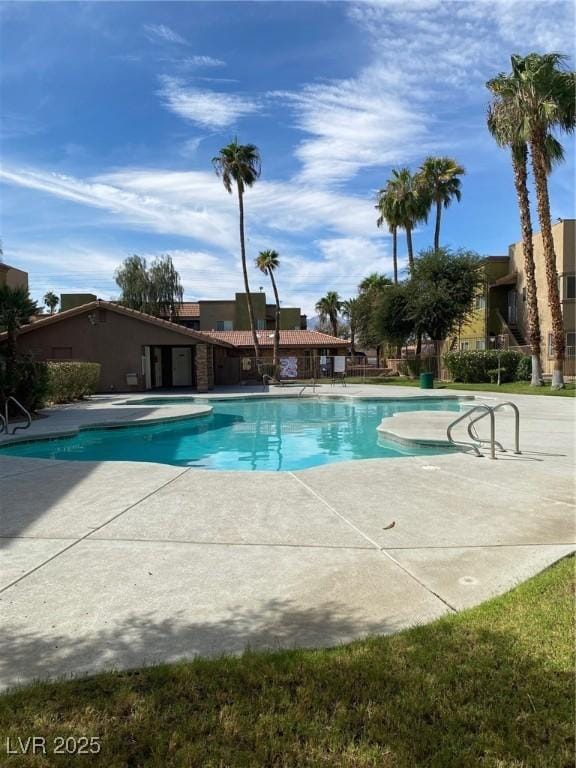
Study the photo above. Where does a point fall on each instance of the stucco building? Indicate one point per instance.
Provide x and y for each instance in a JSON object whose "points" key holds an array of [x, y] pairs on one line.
{"points": [[501, 311]]}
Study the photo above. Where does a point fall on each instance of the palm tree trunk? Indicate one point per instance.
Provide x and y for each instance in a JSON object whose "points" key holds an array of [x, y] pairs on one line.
{"points": [[276, 352], [410, 249], [395, 253], [334, 322], [245, 273], [437, 229], [519, 165], [539, 167]]}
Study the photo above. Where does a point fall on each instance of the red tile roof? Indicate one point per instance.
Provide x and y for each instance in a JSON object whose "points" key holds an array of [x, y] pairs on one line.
{"points": [[188, 309], [287, 338]]}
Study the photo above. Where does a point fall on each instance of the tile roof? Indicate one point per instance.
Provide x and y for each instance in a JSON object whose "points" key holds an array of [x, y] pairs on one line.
{"points": [[188, 309], [287, 338]]}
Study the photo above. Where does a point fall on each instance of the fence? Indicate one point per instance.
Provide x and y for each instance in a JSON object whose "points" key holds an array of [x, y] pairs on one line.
{"points": [[328, 367]]}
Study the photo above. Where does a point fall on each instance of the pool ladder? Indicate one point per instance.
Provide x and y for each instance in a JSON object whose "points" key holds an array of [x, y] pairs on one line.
{"points": [[484, 411], [5, 420]]}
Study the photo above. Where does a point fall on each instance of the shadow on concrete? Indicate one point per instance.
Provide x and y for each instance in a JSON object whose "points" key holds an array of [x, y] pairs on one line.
{"points": [[450, 694], [30, 487], [143, 640]]}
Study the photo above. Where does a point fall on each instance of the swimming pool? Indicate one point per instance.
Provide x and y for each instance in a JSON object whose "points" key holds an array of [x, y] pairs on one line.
{"points": [[271, 434]]}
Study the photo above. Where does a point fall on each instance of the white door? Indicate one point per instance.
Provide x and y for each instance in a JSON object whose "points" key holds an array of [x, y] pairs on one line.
{"points": [[181, 367]]}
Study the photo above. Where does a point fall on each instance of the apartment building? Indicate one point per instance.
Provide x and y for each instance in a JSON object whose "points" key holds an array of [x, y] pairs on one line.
{"points": [[500, 316]]}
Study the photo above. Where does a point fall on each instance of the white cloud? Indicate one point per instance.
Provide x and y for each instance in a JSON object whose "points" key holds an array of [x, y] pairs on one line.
{"points": [[201, 61], [428, 59], [162, 33], [354, 124], [206, 108]]}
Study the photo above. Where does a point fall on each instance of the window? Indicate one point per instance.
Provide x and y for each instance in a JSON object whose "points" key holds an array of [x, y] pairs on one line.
{"points": [[224, 325], [550, 346], [464, 345], [524, 293], [480, 302], [480, 344], [570, 283], [261, 324]]}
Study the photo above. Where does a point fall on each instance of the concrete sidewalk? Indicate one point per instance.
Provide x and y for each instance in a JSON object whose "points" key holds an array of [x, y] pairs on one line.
{"points": [[117, 564]]}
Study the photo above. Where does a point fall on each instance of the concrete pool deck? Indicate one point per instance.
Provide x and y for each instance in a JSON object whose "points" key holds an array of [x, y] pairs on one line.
{"points": [[117, 564]]}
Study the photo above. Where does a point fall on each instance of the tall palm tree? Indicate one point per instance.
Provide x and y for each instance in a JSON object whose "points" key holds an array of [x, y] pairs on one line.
{"points": [[439, 177], [328, 308], [267, 262], [506, 127], [350, 310], [389, 214], [240, 164], [542, 94], [410, 202]]}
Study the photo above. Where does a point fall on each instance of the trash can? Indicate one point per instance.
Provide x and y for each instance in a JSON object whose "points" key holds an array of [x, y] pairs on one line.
{"points": [[426, 381]]}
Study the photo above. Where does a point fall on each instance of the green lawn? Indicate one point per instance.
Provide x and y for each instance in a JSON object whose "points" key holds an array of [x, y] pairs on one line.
{"points": [[512, 388], [492, 686]]}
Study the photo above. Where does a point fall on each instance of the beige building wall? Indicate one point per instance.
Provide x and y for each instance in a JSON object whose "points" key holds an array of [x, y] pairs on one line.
{"points": [[213, 311], [12, 277], [101, 336], [564, 233]]}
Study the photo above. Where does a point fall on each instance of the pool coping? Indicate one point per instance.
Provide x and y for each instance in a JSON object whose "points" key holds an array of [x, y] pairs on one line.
{"points": [[127, 424], [203, 409]]}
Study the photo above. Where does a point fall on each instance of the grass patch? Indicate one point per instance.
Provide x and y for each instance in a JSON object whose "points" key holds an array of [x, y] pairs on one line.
{"points": [[512, 388], [492, 686]]}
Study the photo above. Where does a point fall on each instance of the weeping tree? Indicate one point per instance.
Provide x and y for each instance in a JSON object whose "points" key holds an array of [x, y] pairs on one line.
{"points": [[155, 290]]}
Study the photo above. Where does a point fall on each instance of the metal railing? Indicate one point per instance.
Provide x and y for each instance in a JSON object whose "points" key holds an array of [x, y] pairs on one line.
{"points": [[486, 410], [5, 419]]}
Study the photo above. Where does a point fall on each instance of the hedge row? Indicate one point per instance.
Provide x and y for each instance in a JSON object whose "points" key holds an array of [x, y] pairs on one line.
{"points": [[481, 366], [72, 381]]}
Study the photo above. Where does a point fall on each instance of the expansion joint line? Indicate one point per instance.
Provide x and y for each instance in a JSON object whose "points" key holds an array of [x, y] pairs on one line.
{"points": [[94, 530], [376, 545]]}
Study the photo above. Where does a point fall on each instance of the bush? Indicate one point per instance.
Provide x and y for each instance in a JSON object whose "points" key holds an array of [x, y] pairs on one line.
{"points": [[524, 368], [477, 367], [72, 381], [29, 384]]}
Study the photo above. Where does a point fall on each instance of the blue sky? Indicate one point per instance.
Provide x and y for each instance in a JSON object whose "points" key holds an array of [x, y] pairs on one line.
{"points": [[112, 111]]}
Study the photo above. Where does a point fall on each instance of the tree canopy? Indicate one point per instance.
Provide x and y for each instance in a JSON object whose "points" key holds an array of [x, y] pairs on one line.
{"points": [[156, 290]]}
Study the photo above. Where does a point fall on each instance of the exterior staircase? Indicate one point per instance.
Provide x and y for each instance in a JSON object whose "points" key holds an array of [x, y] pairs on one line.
{"points": [[517, 335]]}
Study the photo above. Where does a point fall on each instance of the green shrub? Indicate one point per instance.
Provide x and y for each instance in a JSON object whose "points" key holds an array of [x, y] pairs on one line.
{"points": [[72, 381], [476, 367], [28, 384], [524, 368]]}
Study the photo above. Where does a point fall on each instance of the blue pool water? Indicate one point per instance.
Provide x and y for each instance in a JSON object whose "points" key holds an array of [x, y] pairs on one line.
{"points": [[252, 434]]}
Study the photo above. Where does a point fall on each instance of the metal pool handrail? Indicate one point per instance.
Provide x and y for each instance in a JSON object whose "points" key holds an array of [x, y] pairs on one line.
{"points": [[487, 410], [6, 419], [495, 408]]}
